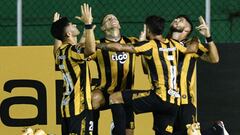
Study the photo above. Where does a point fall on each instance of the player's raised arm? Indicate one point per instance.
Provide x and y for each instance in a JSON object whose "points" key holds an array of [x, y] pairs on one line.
{"points": [[212, 54], [90, 45], [57, 43]]}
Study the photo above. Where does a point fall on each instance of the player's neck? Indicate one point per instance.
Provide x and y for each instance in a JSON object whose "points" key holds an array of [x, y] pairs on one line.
{"points": [[113, 35], [71, 40], [158, 37], [178, 36]]}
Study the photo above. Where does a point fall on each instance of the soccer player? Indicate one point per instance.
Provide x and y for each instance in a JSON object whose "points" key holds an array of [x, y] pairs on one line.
{"points": [[162, 100], [180, 29], [115, 71], [72, 61]]}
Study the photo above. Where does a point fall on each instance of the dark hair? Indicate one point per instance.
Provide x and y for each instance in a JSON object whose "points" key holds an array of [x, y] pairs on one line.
{"points": [[188, 20], [155, 24], [58, 28]]}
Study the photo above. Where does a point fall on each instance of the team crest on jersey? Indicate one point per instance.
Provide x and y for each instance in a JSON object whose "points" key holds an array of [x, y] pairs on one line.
{"points": [[120, 57]]}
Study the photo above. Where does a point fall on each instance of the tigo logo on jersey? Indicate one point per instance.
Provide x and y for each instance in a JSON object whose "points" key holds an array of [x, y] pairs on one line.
{"points": [[120, 57]]}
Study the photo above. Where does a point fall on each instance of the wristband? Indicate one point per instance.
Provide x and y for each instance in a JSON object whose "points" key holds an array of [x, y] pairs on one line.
{"points": [[88, 26], [209, 39]]}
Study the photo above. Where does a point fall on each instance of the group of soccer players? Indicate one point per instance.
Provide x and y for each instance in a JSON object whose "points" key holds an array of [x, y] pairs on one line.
{"points": [[170, 63]]}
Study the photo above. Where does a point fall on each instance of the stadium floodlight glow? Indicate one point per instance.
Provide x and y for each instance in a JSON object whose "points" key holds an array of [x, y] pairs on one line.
{"points": [[19, 22]]}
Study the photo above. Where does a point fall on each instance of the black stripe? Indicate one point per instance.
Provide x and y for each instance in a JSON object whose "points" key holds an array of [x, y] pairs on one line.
{"points": [[76, 60], [140, 43], [130, 76], [83, 82], [200, 52], [164, 67], [69, 66], [189, 76], [126, 40], [107, 68], [61, 62], [120, 68], [74, 80], [99, 73], [170, 53]]}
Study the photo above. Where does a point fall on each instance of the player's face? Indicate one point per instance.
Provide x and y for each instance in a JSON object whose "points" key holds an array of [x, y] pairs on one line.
{"points": [[181, 25], [72, 29], [110, 21]]}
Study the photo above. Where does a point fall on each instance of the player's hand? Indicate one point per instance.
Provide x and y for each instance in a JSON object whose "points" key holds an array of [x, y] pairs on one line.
{"points": [[203, 28], [193, 129], [83, 38], [143, 34], [86, 11], [56, 17]]}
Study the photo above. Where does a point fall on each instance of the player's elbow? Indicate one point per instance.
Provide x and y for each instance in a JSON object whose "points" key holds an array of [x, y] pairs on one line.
{"points": [[216, 60]]}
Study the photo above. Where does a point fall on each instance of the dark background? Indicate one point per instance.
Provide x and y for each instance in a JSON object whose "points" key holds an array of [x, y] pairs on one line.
{"points": [[218, 89]]}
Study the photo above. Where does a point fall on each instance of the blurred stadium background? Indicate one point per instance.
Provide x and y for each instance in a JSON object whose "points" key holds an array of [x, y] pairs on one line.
{"points": [[37, 16], [218, 85]]}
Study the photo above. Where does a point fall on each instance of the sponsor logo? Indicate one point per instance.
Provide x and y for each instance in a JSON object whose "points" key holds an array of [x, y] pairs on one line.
{"points": [[120, 57]]}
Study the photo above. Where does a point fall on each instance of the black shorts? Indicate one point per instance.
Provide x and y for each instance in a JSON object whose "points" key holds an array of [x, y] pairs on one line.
{"points": [[184, 117], [128, 109], [81, 124], [164, 113]]}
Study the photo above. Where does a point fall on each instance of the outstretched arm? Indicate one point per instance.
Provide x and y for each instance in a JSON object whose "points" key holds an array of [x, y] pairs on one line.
{"points": [[90, 45], [57, 43], [212, 55], [117, 47]]}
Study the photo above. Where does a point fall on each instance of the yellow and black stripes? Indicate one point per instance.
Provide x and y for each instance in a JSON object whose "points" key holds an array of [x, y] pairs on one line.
{"points": [[161, 59], [73, 65], [115, 69], [187, 71]]}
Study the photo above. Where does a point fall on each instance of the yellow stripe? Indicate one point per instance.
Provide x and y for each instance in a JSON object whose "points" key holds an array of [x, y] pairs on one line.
{"points": [[193, 87], [161, 80], [102, 68], [67, 111], [144, 47], [77, 95], [183, 79], [114, 72], [88, 89]]}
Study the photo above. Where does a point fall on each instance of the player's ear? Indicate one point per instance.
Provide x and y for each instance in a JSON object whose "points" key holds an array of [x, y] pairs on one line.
{"points": [[68, 34], [102, 28]]}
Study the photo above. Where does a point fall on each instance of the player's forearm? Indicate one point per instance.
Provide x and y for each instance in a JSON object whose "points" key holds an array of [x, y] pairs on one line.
{"points": [[116, 47], [90, 45], [213, 52]]}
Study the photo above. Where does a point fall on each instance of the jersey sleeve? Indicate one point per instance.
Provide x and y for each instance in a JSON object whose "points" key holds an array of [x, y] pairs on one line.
{"points": [[133, 40], [143, 46], [201, 50], [179, 47]]}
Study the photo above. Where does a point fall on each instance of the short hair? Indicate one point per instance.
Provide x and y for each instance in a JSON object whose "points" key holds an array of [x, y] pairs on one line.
{"points": [[155, 24], [188, 20], [58, 28]]}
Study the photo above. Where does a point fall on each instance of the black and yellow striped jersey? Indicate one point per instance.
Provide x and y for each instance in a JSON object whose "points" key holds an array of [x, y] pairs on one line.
{"points": [[161, 59], [77, 95], [115, 69], [187, 71]]}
